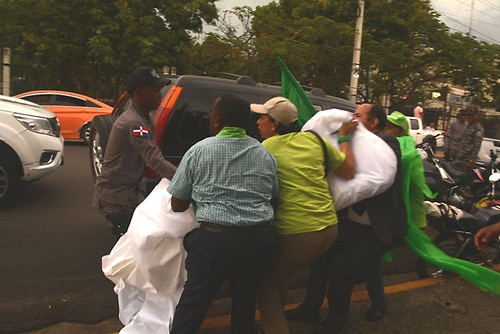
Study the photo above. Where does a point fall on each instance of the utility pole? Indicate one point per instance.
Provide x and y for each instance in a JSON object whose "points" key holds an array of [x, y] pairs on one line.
{"points": [[470, 20], [353, 88], [6, 72]]}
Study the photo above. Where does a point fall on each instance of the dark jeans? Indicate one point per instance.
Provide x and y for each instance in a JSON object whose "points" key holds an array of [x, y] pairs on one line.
{"points": [[340, 268], [242, 258], [120, 221], [375, 283]]}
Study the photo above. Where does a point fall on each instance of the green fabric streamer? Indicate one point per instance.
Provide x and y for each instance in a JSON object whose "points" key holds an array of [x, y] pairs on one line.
{"points": [[414, 186], [414, 189], [482, 277], [292, 90]]}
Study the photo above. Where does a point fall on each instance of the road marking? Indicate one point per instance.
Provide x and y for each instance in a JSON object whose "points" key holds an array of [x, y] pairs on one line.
{"points": [[225, 320]]}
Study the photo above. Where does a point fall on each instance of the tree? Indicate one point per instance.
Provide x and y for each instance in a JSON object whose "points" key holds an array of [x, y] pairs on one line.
{"points": [[231, 48], [316, 48], [74, 44], [406, 49]]}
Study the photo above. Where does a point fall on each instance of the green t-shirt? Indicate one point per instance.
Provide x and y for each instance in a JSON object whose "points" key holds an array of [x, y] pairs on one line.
{"points": [[305, 203]]}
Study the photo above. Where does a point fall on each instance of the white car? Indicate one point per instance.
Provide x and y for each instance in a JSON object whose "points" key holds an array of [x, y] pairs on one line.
{"points": [[418, 132], [31, 145], [487, 145]]}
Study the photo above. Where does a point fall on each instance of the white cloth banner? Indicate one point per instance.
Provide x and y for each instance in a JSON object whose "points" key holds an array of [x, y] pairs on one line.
{"points": [[376, 163], [147, 263]]}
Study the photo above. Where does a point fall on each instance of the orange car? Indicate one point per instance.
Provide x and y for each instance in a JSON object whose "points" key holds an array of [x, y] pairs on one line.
{"points": [[75, 111]]}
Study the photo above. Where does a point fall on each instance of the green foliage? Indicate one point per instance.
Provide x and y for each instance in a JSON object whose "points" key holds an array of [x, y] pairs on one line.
{"points": [[91, 46]]}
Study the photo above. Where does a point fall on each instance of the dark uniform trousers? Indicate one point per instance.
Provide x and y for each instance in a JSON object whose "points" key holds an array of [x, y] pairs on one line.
{"points": [[213, 255], [341, 268]]}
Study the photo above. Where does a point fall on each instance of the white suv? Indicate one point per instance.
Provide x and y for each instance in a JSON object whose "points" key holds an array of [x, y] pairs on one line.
{"points": [[31, 145]]}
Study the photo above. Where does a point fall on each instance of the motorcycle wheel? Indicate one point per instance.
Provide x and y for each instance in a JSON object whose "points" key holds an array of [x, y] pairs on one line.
{"points": [[449, 246]]}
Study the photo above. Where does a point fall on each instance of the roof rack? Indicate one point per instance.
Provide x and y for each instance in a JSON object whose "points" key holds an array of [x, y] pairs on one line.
{"points": [[313, 90], [241, 79]]}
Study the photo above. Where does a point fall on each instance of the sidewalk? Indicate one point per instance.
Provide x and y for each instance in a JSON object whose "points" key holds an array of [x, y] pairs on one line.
{"points": [[434, 305]]}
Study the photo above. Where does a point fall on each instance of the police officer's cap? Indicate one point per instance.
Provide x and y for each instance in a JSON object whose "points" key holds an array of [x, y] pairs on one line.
{"points": [[144, 76], [470, 111]]}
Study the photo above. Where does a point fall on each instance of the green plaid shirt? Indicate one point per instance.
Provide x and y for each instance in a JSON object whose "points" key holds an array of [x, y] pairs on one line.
{"points": [[231, 179]]}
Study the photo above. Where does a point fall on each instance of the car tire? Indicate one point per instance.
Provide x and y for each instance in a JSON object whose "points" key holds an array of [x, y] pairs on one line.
{"points": [[9, 182], [100, 129], [85, 134]]}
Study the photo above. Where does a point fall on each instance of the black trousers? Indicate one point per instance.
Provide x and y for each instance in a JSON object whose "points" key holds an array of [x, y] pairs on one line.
{"points": [[213, 257], [341, 268]]}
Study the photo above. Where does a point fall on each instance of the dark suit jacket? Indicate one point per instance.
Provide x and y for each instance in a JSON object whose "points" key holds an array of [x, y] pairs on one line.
{"points": [[387, 211]]}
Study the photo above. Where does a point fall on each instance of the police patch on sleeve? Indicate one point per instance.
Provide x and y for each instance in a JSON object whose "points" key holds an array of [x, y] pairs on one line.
{"points": [[140, 131]]}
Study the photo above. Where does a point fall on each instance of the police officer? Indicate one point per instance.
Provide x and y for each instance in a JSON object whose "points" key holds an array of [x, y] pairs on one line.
{"points": [[120, 188], [470, 141]]}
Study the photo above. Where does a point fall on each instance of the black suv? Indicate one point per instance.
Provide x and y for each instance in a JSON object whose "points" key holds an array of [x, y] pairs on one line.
{"points": [[182, 117]]}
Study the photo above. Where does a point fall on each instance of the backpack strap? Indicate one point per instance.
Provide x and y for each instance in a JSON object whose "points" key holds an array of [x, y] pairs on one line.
{"points": [[323, 146]]}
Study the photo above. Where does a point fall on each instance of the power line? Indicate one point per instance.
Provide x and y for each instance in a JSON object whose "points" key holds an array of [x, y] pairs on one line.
{"points": [[468, 28], [477, 32], [474, 9], [489, 4]]}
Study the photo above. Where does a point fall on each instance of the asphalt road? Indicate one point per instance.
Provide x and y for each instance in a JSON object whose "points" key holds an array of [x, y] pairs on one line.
{"points": [[51, 244]]}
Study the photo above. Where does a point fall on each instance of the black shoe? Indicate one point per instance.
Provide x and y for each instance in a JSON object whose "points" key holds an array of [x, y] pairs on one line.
{"points": [[375, 312], [302, 313]]}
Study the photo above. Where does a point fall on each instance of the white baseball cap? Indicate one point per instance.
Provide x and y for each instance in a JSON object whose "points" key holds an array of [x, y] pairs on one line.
{"points": [[279, 108]]}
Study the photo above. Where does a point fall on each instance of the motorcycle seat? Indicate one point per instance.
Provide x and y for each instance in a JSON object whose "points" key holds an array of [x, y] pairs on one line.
{"points": [[458, 175], [488, 215]]}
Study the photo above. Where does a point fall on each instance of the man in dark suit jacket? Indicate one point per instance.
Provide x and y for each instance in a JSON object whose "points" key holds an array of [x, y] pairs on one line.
{"points": [[366, 231]]}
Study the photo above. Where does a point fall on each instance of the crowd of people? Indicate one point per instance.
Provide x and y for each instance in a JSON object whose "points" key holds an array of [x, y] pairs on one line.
{"points": [[265, 210]]}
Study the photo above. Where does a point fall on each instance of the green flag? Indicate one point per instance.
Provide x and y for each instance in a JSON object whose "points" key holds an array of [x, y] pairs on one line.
{"points": [[292, 90]]}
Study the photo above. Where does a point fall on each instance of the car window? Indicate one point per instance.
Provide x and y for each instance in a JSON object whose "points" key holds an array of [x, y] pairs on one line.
{"points": [[124, 103], [90, 104], [64, 100], [188, 123], [123, 106], [193, 126], [42, 99], [414, 124]]}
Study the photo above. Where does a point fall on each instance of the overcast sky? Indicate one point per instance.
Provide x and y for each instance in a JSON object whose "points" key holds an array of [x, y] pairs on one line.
{"points": [[456, 14]]}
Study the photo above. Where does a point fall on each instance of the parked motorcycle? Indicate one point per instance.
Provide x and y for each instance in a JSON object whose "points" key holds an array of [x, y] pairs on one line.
{"points": [[456, 187], [456, 229], [492, 198]]}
